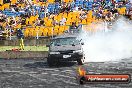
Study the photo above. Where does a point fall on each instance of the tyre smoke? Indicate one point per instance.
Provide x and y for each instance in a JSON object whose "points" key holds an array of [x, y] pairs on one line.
{"points": [[131, 1], [108, 44]]}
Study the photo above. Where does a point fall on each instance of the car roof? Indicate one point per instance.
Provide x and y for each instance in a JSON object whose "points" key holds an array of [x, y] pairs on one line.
{"points": [[66, 36]]}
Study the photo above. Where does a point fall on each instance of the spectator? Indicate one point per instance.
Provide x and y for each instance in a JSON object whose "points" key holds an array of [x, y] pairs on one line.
{"points": [[63, 21], [83, 15]]}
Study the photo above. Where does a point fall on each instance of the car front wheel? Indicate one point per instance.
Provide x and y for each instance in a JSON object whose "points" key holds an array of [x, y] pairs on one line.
{"points": [[52, 61], [81, 61]]}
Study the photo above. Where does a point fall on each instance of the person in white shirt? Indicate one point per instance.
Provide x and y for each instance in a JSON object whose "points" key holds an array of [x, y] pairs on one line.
{"points": [[63, 21]]}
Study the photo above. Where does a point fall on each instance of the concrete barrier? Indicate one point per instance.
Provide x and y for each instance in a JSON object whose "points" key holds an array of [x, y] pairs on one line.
{"points": [[27, 42], [23, 54]]}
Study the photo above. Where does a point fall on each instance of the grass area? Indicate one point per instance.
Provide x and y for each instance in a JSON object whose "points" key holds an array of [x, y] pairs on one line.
{"points": [[26, 48]]}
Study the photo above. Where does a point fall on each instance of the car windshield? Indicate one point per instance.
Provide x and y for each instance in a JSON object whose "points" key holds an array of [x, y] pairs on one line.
{"points": [[65, 41]]}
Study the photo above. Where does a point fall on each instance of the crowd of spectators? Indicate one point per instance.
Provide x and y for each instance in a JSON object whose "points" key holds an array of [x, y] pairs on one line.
{"points": [[32, 15]]}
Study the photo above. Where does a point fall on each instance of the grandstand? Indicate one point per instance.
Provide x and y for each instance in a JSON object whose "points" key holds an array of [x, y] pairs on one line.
{"points": [[48, 18]]}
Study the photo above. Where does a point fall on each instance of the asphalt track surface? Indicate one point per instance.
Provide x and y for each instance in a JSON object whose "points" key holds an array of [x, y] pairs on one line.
{"points": [[33, 73]]}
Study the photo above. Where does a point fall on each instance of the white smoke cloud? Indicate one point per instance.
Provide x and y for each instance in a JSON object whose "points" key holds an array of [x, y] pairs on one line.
{"points": [[131, 1], [108, 46]]}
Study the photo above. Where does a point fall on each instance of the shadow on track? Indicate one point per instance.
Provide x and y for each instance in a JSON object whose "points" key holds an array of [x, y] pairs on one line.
{"points": [[36, 65], [64, 64], [45, 65]]}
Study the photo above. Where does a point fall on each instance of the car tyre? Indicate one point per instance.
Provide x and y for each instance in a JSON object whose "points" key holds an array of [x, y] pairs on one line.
{"points": [[52, 61], [81, 61]]}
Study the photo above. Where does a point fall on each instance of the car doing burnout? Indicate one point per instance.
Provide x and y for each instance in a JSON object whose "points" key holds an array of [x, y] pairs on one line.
{"points": [[67, 48]]}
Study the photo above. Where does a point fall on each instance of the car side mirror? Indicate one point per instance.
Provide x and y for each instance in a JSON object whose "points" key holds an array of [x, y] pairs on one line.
{"points": [[73, 44], [47, 45], [82, 43], [58, 45]]}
